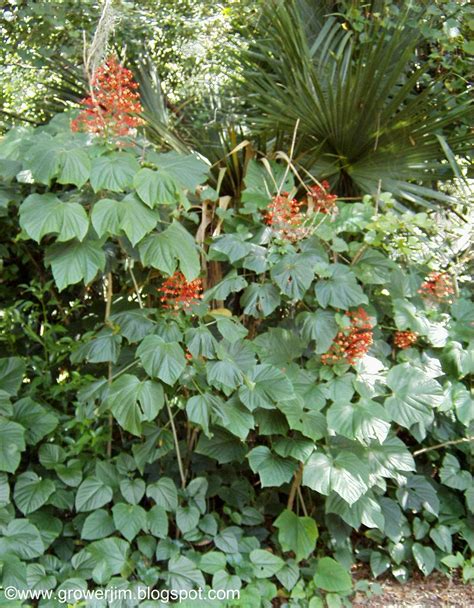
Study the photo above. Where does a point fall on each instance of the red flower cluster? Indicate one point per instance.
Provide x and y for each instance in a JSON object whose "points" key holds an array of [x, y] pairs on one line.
{"points": [[112, 107], [178, 294], [286, 219], [437, 286], [322, 200], [352, 343], [404, 339]]}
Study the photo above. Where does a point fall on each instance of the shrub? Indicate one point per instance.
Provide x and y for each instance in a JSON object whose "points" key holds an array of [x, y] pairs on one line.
{"points": [[263, 435]]}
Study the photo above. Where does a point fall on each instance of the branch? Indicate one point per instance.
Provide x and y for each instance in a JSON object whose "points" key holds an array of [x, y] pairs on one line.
{"points": [[443, 445], [176, 445]]}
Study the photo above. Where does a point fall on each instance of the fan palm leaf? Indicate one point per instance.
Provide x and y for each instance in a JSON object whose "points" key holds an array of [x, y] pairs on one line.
{"points": [[365, 121]]}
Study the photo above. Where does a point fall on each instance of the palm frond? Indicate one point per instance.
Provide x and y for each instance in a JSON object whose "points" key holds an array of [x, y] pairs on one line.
{"points": [[364, 119]]}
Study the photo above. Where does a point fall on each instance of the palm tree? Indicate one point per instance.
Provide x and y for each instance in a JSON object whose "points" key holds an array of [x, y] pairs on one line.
{"points": [[365, 121]]}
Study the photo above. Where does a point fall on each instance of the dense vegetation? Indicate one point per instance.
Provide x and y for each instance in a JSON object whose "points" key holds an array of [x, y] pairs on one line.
{"points": [[238, 351]]}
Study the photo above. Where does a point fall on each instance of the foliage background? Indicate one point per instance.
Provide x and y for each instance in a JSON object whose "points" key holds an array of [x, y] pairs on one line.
{"points": [[286, 464]]}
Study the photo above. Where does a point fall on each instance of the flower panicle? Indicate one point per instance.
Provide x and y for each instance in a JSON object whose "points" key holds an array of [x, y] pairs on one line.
{"points": [[437, 286], [113, 107], [404, 339], [352, 343], [179, 294], [322, 200]]}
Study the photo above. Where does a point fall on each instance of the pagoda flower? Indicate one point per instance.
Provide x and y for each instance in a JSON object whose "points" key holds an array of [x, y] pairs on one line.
{"points": [[112, 107], [353, 342], [179, 294], [437, 286], [405, 339]]}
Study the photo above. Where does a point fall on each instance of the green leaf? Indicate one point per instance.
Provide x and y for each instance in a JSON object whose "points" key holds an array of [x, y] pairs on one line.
{"points": [[363, 420], [129, 519], [199, 408], [22, 539], [297, 534], [92, 494], [4, 490], [452, 475], [157, 521], [166, 249], [107, 216], [212, 562], [98, 524], [114, 172], [424, 557], [227, 540], [12, 443], [266, 386], [74, 261], [233, 416], [231, 283], [320, 326], [42, 214], [164, 493], [188, 170], [37, 421], [183, 574], [271, 468], [225, 582], [294, 274], [265, 564], [310, 423], [340, 290], [132, 402], [441, 536], [223, 447], [414, 396], [224, 375], [156, 188], [75, 167], [32, 492], [111, 553], [71, 474], [373, 268], [12, 370], [345, 474], [104, 347], [260, 300], [232, 247], [331, 576], [132, 490], [296, 447], [365, 511], [136, 219], [134, 324], [417, 494], [289, 575], [187, 518], [200, 342], [379, 563], [163, 360]]}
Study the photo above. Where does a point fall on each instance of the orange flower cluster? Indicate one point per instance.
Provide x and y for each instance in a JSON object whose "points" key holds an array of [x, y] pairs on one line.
{"points": [[178, 294], [404, 339], [437, 286], [322, 200], [352, 343], [112, 108], [286, 219]]}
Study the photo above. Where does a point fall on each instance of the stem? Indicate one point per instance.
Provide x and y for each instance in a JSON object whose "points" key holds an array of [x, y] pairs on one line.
{"points": [[294, 487], [108, 309], [303, 505], [442, 445], [135, 285], [176, 444]]}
